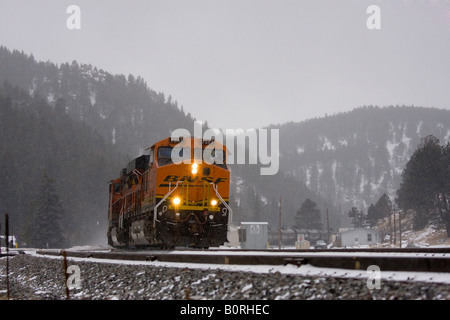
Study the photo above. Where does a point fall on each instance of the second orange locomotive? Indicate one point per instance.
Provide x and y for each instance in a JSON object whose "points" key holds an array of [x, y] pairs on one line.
{"points": [[156, 202]]}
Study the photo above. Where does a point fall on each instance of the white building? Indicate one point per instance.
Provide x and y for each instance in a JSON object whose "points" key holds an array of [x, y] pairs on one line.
{"points": [[359, 237]]}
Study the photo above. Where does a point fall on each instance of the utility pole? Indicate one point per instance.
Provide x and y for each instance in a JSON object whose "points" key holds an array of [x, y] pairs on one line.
{"points": [[390, 226], [7, 253], [400, 226], [328, 228], [279, 225], [66, 276], [395, 234]]}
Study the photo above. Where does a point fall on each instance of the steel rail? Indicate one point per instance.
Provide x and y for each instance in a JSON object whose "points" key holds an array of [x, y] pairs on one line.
{"points": [[431, 262]]}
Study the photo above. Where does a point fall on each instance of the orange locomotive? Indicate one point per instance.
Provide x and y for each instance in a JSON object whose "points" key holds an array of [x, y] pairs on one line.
{"points": [[157, 202]]}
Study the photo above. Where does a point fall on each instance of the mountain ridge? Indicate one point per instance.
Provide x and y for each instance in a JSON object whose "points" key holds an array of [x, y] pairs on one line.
{"points": [[121, 108], [360, 153]]}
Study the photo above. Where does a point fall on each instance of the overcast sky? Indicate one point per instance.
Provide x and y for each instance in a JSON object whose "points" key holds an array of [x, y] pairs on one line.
{"points": [[250, 63]]}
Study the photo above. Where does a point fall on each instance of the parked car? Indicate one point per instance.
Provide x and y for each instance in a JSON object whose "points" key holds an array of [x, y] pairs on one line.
{"points": [[320, 244]]}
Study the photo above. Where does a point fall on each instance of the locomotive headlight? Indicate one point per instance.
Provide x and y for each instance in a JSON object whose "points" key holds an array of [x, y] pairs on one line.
{"points": [[176, 201], [194, 168], [213, 202]]}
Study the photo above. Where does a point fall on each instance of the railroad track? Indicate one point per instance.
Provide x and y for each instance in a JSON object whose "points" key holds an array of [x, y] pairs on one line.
{"points": [[387, 259]]}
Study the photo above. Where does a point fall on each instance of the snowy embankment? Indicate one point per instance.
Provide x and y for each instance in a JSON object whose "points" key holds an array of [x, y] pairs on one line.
{"points": [[37, 277], [430, 236]]}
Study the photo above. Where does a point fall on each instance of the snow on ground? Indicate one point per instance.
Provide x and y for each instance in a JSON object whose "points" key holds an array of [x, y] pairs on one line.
{"points": [[304, 270]]}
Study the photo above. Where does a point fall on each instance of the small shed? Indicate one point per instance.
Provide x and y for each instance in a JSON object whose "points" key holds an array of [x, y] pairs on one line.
{"points": [[254, 235], [358, 237]]}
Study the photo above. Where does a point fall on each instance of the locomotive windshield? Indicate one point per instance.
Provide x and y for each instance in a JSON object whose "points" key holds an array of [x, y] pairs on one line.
{"points": [[213, 156], [165, 155], [164, 152]]}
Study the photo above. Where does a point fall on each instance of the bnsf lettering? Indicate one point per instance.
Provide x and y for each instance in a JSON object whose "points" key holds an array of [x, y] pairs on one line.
{"points": [[173, 178], [189, 179], [220, 180]]}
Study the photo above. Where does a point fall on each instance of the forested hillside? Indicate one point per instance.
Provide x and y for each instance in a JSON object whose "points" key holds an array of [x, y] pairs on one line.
{"points": [[77, 125], [38, 140], [123, 109], [352, 158]]}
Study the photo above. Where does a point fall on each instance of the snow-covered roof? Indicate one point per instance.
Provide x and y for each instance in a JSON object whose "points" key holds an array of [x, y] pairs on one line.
{"points": [[358, 229], [254, 222]]}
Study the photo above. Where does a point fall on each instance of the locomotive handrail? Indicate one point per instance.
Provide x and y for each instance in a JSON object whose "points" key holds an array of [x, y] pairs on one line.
{"points": [[230, 217], [162, 200]]}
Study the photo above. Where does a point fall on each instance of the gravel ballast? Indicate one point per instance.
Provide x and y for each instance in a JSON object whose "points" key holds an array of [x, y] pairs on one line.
{"points": [[42, 278]]}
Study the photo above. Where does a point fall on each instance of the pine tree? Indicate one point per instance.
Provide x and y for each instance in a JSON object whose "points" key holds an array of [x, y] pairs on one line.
{"points": [[422, 181], [442, 198], [357, 217], [308, 216], [372, 217], [46, 221], [383, 207], [26, 228]]}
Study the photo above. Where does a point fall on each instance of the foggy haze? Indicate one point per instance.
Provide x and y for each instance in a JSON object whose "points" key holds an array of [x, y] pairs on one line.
{"points": [[251, 63]]}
